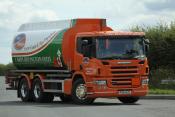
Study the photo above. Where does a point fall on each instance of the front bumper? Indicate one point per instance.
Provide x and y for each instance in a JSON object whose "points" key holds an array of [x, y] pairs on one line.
{"points": [[95, 91]]}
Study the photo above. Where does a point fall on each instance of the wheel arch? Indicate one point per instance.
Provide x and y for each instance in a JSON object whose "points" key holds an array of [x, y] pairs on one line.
{"points": [[41, 78], [78, 75]]}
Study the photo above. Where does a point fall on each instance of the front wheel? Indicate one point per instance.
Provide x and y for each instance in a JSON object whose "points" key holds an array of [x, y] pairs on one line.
{"points": [[79, 93], [128, 100]]}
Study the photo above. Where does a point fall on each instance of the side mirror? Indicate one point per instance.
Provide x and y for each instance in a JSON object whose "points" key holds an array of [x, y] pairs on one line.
{"points": [[147, 41]]}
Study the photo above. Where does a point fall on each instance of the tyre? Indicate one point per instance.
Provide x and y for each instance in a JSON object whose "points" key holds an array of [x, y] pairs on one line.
{"points": [[79, 93], [65, 98], [128, 100], [24, 91], [38, 94]]}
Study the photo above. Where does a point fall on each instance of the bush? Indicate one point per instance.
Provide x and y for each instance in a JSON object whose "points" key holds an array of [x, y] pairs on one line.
{"points": [[159, 74], [162, 53], [4, 68], [162, 49]]}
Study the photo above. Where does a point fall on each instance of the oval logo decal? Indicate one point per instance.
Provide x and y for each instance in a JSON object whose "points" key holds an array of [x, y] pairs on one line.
{"points": [[19, 41]]}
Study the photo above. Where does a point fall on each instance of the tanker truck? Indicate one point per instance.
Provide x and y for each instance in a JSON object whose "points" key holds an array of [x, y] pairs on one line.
{"points": [[78, 60]]}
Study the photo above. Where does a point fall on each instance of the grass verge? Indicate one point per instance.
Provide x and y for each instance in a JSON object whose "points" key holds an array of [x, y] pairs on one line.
{"points": [[162, 91]]}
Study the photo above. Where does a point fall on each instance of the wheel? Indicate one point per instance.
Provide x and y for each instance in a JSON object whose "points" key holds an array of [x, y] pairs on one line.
{"points": [[38, 94], [79, 93], [128, 100], [24, 91], [65, 98]]}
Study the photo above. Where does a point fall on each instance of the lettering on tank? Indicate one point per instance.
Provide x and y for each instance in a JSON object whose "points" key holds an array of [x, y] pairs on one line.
{"points": [[33, 59]]}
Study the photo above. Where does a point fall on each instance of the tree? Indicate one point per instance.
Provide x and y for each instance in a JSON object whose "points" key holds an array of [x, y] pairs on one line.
{"points": [[162, 49], [4, 68]]}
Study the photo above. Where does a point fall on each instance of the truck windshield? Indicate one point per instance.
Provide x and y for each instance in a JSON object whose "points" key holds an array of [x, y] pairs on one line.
{"points": [[119, 48]]}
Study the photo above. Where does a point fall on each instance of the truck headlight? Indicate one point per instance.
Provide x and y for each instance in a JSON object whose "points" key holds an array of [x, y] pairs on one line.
{"points": [[91, 71], [145, 81], [100, 82]]}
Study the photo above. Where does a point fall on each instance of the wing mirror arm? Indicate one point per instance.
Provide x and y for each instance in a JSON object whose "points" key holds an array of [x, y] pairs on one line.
{"points": [[147, 43]]}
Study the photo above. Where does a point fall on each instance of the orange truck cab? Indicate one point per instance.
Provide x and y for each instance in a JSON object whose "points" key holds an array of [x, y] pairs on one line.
{"points": [[94, 61]]}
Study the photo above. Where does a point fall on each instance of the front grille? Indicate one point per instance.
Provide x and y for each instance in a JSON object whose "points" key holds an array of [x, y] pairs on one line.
{"points": [[120, 70], [123, 76], [124, 67], [122, 82]]}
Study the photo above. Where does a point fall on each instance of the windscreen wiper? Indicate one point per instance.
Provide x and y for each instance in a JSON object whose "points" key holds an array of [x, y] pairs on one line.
{"points": [[111, 57]]}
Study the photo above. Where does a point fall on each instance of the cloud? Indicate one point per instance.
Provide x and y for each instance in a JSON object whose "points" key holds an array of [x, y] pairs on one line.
{"points": [[13, 14], [120, 14], [160, 5], [5, 55]]}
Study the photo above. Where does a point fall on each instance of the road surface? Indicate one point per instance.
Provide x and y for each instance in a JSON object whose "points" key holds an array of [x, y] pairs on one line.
{"points": [[11, 106]]}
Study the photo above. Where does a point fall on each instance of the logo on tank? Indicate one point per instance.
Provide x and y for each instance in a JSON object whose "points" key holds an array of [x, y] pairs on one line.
{"points": [[57, 60], [19, 41]]}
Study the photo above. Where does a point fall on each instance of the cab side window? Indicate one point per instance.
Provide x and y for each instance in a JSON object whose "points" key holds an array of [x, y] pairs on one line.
{"points": [[86, 46]]}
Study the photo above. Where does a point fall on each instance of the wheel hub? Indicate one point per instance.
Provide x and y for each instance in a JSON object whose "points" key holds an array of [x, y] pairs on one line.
{"points": [[81, 91], [37, 91], [24, 90]]}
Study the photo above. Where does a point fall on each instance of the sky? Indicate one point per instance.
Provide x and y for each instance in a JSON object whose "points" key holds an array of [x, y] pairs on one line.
{"points": [[120, 15]]}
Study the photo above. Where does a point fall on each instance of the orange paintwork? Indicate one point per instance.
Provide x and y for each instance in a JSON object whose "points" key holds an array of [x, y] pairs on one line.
{"points": [[111, 92], [68, 86], [110, 33], [97, 27], [69, 46]]}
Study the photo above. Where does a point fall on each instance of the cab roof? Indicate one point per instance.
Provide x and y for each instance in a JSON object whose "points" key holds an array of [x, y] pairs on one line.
{"points": [[110, 33]]}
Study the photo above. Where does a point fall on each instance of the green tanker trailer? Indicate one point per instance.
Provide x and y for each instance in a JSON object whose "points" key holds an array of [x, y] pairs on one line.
{"points": [[39, 45]]}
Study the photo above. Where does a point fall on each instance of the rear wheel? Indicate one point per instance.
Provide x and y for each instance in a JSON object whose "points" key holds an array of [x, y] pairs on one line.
{"points": [[24, 91], [38, 94], [79, 93], [128, 100]]}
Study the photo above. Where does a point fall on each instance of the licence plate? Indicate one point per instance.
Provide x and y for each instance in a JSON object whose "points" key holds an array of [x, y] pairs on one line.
{"points": [[124, 92]]}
